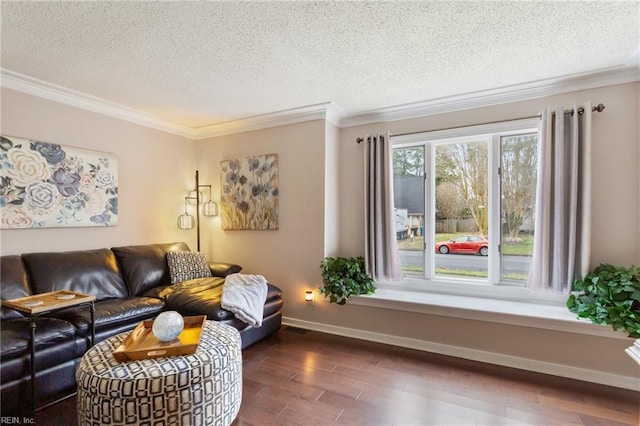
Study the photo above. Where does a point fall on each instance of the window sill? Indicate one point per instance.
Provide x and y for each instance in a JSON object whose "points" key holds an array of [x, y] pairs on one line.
{"points": [[540, 315]]}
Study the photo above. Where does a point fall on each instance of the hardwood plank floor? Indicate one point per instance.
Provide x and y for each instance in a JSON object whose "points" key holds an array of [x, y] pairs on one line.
{"points": [[310, 378]]}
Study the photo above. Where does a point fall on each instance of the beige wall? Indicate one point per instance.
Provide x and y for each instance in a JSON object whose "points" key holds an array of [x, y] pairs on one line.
{"points": [[615, 231], [320, 172], [154, 171], [291, 255], [615, 166], [310, 157], [332, 191]]}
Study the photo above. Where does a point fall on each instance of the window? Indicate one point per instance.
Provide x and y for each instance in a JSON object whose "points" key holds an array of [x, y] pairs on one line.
{"points": [[464, 203]]}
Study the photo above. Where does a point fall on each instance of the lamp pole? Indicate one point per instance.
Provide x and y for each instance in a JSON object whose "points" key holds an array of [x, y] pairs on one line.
{"points": [[198, 207]]}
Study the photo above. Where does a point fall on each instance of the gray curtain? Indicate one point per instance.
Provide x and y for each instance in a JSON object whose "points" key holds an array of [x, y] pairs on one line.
{"points": [[562, 240], [381, 247]]}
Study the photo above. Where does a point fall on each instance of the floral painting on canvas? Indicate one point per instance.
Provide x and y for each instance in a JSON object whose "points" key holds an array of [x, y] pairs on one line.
{"points": [[250, 192], [44, 185]]}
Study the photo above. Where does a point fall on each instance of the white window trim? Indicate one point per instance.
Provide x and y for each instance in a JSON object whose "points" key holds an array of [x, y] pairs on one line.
{"points": [[458, 286], [503, 303], [472, 288], [507, 126]]}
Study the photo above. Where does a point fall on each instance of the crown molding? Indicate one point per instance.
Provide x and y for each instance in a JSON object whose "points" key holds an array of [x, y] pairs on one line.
{"points": [[33, 86], [570, 83], [325, 111]]}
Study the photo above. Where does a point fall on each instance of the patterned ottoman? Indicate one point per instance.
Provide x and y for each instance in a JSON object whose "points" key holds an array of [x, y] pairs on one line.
{"points": [[204, 388]]}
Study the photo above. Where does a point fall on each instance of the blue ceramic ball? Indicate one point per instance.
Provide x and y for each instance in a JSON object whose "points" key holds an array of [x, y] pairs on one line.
{"points": [[167, 326]]}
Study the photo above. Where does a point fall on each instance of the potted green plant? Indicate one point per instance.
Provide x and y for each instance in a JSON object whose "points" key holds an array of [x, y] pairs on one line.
{"points": [[609, 295], [343, 277]]}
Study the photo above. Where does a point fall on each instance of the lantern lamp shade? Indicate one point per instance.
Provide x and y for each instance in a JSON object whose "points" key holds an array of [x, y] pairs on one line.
{"points": [[210, 208], [186, 221], [194, 196]]}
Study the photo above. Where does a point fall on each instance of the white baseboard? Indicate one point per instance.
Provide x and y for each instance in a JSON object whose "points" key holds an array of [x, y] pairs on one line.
{"points": [[474, 355]]}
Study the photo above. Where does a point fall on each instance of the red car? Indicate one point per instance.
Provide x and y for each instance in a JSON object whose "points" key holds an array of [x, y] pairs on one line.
{"points": [[466, 244]]}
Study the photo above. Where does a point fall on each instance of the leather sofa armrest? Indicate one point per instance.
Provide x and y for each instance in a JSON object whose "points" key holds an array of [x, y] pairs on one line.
{"points": [[219, 269]]}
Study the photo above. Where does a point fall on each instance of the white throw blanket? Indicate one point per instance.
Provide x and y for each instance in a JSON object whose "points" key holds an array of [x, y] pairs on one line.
{"points": [[244, 295]]}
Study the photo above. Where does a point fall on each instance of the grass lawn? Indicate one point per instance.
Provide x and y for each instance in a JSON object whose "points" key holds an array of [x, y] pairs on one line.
{"points": [[524, 247]]}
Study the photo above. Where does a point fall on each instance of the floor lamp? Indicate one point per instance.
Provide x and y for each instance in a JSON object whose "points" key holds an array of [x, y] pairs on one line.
{"points": [[209, 208]]}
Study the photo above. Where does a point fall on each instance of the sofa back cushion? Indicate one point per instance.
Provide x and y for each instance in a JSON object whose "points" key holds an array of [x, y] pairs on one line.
{"points": [[145, 267], [93, 272], [13, 283]]}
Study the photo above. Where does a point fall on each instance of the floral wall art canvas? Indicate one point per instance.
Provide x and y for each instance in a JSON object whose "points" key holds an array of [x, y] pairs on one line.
{"points": [[250, 192], [45, 185]]}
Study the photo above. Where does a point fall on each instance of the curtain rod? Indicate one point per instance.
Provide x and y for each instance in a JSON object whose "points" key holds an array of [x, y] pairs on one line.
{"points": [[597, 108]]}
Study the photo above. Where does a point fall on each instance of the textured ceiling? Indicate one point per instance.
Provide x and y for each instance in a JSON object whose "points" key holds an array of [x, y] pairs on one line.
{"points": [[201, 63]]}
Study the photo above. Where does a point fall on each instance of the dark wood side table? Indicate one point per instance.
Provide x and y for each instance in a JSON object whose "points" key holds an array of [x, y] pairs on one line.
{"points": [[46, 303]]}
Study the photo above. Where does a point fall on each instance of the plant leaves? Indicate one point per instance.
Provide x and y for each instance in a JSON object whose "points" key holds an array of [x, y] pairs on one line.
{"points": [[343, 277], [609, 295]]}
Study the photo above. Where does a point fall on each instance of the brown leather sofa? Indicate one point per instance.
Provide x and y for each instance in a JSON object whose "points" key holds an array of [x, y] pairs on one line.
{"points": [[131, 284]]}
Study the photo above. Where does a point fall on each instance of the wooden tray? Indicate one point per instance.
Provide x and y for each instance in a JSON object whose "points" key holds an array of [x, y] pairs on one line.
{"points": [[44, 302], [142, 344]]}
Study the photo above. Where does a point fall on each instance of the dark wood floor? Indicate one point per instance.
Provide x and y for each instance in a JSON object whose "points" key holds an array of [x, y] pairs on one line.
{"points": [[311, 378]]}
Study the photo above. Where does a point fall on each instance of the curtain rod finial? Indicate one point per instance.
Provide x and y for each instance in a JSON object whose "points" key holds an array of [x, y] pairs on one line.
{"points": [[599, 108]]}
